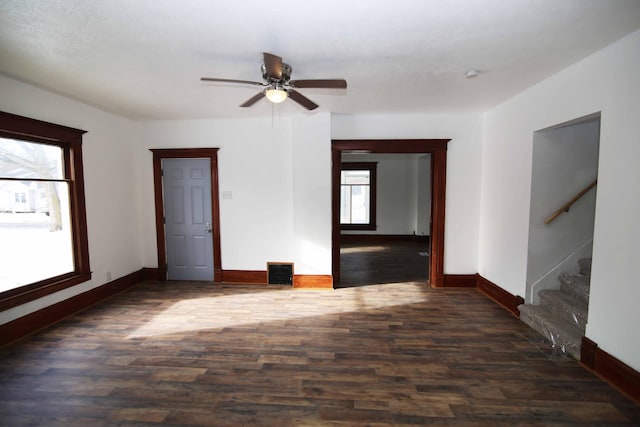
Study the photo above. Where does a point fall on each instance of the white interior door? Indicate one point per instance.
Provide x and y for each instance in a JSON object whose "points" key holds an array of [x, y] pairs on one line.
{"points": [[186, 185]]}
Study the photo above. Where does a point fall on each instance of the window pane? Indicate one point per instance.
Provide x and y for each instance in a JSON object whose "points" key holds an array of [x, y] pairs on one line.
{"points": [[35, 232], [360, 204], [21, 159], [345, 203], [356, 177]]}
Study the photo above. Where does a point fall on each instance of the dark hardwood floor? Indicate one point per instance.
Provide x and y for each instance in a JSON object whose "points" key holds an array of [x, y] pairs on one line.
{"points": [[383, 261], [200, 354]]}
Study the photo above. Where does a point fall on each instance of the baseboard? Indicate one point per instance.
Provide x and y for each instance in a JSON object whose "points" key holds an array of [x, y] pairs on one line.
{"points": [[618, 374], [252, 277], [422, 239], [154, 274], [313, 281], [499, 295], [460, 281], [587, 353], [259, 277], [607, 367], [33, 322]]}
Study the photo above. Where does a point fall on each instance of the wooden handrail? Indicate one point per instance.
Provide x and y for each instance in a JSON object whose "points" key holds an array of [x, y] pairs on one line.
{"points": [[566, 206]]}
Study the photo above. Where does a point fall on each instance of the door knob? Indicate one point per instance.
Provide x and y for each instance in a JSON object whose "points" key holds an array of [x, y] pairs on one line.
{"points": [[209, 229]]}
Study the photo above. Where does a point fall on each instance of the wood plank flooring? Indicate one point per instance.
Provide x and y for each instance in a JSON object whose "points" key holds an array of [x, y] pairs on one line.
{"points": [[383, 261], [200, 354]]}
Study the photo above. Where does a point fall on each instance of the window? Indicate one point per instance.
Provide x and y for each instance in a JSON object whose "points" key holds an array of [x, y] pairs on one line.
{"points": [[358, 196], [43, 238]]}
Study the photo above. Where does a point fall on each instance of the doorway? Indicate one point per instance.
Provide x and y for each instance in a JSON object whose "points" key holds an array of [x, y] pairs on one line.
{"points": [[437, 148], [191, 188], [564, 176], [372, 260], [384, 218]]}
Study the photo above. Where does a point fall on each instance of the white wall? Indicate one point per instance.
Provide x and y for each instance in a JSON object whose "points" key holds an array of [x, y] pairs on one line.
{"points": [[110, 184], [311, 141], [263, 166], [463, 170], [396, 192], [565, 160], [607, 81]]}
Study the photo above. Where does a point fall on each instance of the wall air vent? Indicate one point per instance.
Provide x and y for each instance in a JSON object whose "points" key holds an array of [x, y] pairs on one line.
{"points": [[280, 273]]}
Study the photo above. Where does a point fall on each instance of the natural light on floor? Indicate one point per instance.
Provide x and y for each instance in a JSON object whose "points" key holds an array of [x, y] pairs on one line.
{"points": [[360, 249], [217, 312]]}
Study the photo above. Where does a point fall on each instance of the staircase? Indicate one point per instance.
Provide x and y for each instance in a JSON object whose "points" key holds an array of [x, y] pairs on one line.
{"points": [[561, 316]]}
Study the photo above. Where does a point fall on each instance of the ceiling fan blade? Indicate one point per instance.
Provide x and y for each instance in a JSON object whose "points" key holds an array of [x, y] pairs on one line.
{"points": [[273, 64], [246, 82], [249, 102], [302, 100], [319, 83]]}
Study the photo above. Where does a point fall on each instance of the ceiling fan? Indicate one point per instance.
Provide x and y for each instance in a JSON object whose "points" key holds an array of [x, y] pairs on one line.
{"points": [[278, 85]]}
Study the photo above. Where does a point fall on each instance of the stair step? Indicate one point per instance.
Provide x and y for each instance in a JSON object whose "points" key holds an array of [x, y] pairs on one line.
{"points": [[585, 266], [576, 286], [565, 306], [560, 333]]}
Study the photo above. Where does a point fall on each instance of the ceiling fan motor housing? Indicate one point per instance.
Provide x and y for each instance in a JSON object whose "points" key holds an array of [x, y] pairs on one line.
{"points": [[286, 74]]}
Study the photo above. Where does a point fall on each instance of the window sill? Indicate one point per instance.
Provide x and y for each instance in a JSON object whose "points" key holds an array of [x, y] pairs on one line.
{"points": [[24, 294]]}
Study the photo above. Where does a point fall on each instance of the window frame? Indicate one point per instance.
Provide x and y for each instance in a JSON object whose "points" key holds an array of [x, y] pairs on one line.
{"points": [[70, 141], [371, 167]]}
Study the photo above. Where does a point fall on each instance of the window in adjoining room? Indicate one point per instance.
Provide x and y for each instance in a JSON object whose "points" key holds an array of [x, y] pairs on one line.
{"points": [[358, 196]]}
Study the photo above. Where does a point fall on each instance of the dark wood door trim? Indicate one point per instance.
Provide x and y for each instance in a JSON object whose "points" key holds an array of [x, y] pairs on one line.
{"points": [[438, 202], [438, 150], [194, 153]]}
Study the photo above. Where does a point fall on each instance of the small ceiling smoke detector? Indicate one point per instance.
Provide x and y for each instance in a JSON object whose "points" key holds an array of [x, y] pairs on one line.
{"points": [[472, 74]]}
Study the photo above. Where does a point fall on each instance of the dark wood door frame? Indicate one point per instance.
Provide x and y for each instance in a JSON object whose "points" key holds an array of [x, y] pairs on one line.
{"points": [[188, 153], [438, 150]]}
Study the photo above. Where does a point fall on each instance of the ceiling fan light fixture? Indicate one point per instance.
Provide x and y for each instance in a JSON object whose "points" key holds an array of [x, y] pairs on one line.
{"points": [[277, 85], [276, 94]]}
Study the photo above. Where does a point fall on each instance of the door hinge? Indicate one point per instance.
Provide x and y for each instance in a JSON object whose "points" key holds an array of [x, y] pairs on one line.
{"points": [[161, 172]]}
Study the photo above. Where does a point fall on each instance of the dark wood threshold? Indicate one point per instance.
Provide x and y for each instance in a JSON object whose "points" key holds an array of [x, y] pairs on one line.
{"points": [[610, 369], [33, 322]]}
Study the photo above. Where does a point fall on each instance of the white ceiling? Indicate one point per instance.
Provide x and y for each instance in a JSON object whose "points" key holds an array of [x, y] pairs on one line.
{"points": [[143, 58]]}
